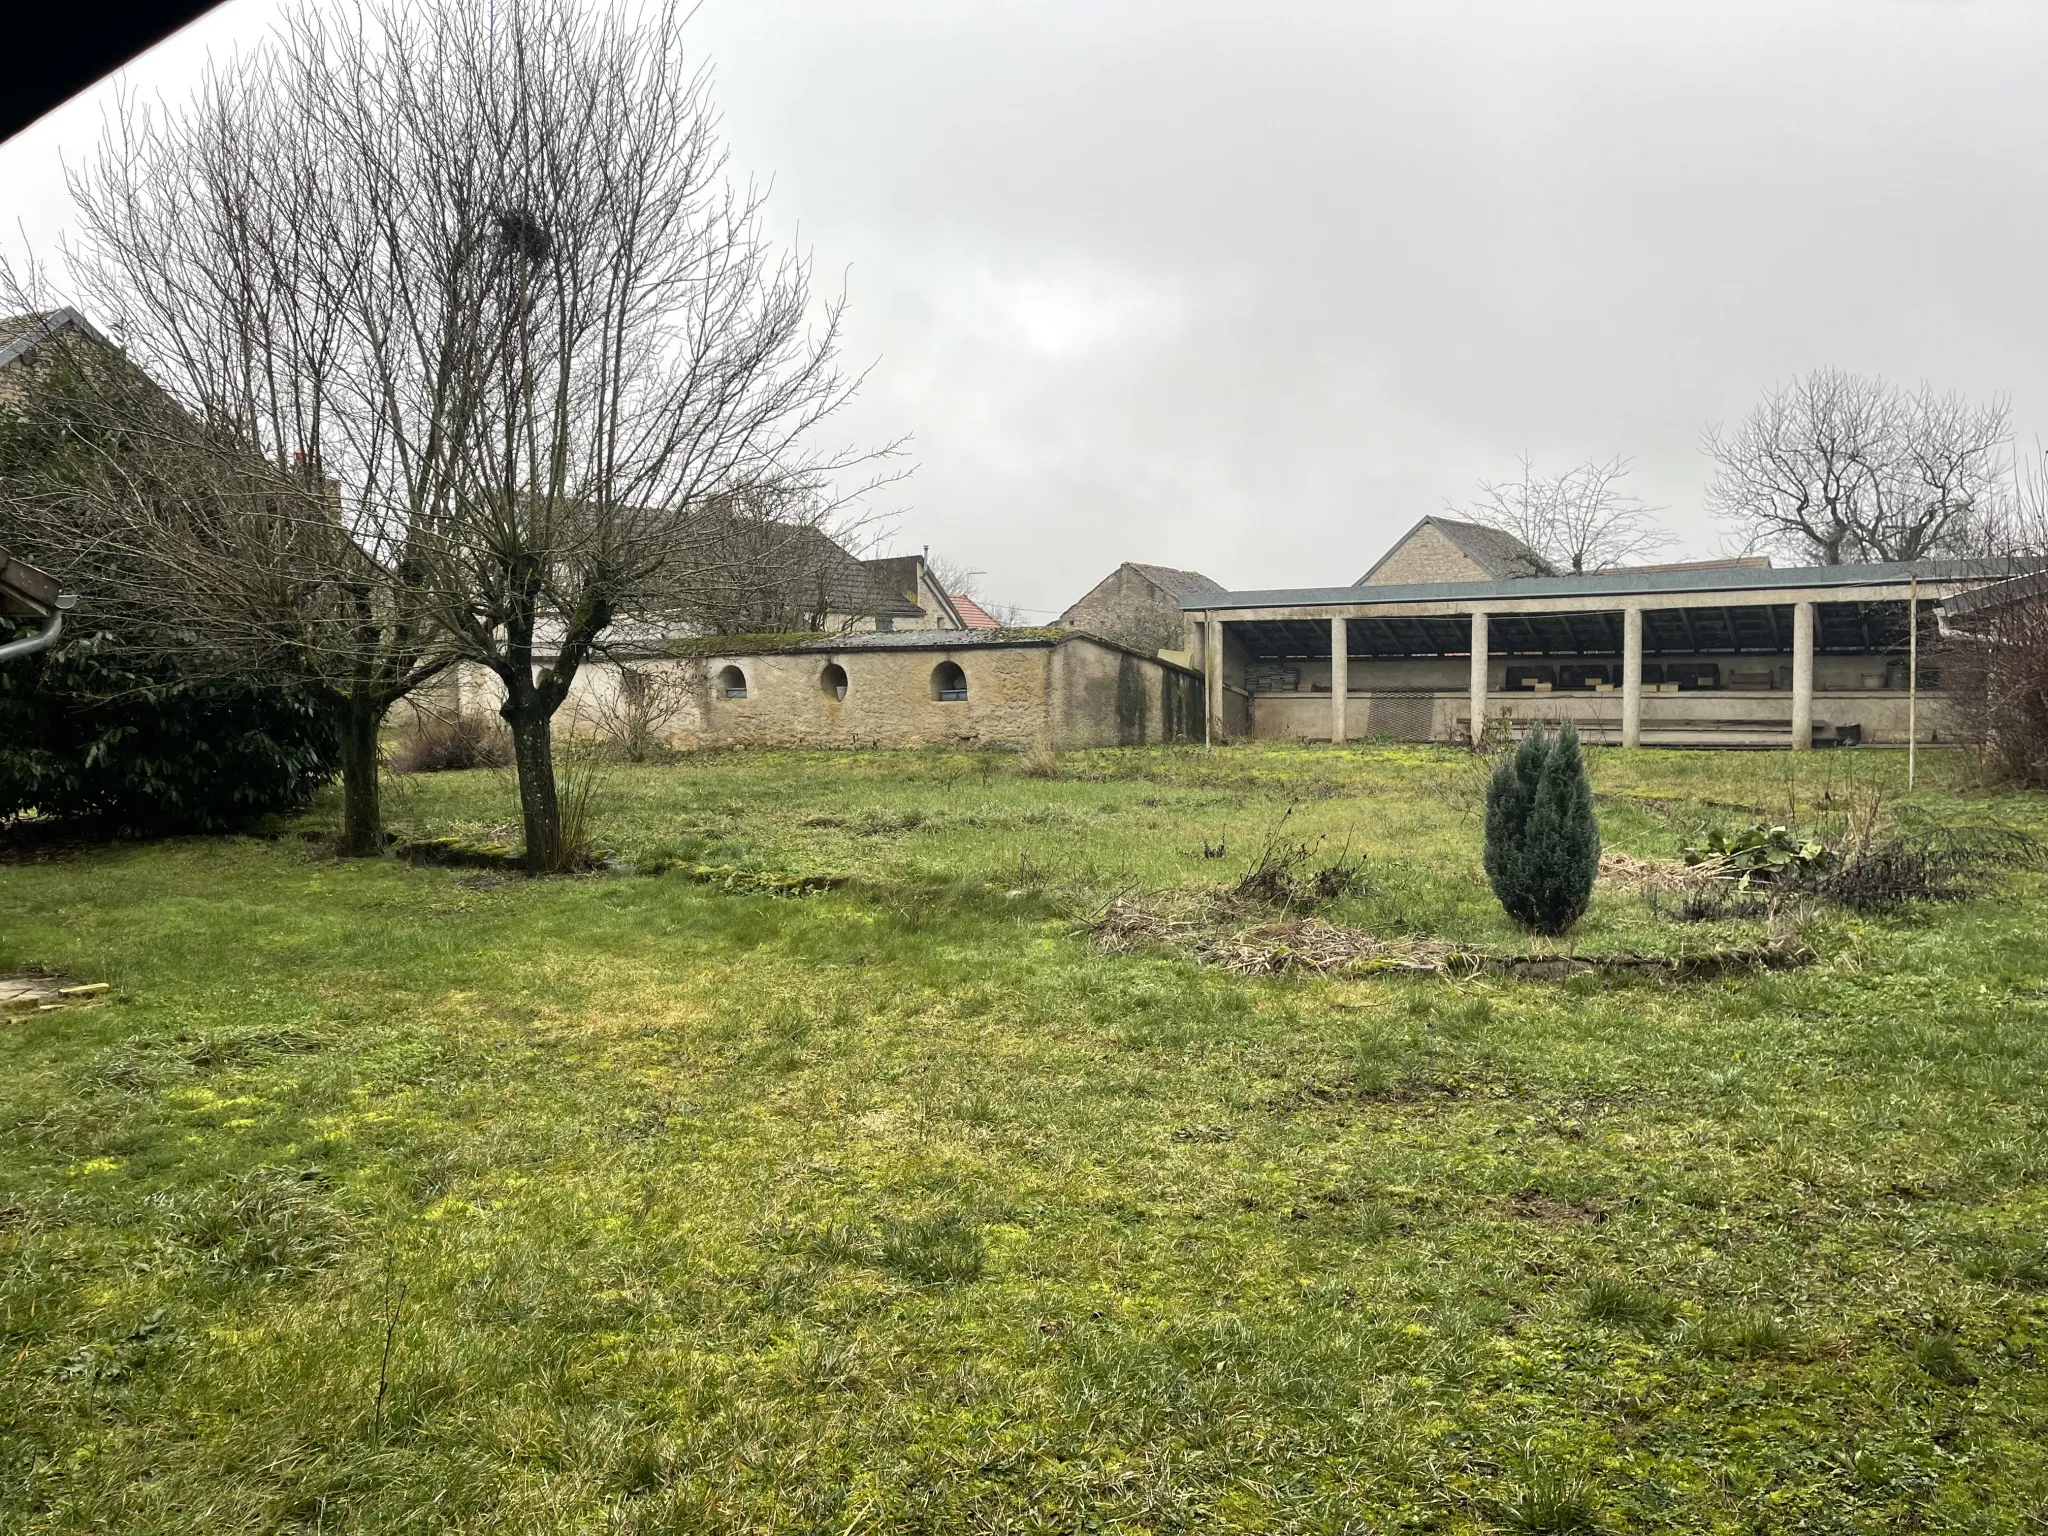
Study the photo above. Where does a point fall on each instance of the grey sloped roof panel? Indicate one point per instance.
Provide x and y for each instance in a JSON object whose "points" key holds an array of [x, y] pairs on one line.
{"points": [[1498, 553], [2016, 589], [1501, 555], [1180, 583], [1619, 584]]}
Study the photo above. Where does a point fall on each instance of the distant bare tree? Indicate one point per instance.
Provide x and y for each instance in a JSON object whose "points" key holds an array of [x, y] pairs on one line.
{"points": [[505, 300], [1835, 467], [957, 579], [1579, 520]]}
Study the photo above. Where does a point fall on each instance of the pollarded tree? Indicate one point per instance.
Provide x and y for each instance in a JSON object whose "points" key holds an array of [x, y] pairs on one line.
{"points": [[573, 341], [519, 322]]}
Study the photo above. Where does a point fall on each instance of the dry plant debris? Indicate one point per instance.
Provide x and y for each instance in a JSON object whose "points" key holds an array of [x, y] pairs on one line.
{"points": [[1209, 929], [1627, 872]]}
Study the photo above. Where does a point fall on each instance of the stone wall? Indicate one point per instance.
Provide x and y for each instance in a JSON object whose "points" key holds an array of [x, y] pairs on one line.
{"points": [[1067, 693], [1130, 608], [1426, 555]]}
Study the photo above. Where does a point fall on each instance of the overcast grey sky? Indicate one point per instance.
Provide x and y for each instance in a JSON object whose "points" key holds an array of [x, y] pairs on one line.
{"points": [[1250, 287]]}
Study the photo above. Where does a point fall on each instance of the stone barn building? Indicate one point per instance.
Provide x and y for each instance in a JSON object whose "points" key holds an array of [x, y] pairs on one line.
{"points": [[956, 688], [1140, 606]]}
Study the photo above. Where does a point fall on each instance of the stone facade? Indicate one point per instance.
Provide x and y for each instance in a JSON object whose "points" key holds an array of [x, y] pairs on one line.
{"points": [[1140, 606], [966, 689], [1445, 549]]}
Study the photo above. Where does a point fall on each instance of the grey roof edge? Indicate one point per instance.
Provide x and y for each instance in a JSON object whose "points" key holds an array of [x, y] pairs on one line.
{"points": [[51, 323], [1617, 584], [955, 639], [1996, 594], [1152, 573], [705, 648]]}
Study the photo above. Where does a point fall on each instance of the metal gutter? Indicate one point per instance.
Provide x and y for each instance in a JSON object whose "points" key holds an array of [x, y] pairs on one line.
{"points": [[45, 637]]}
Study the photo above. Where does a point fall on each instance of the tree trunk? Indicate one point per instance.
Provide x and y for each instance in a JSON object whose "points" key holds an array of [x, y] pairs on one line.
{"points": [[539, 809], [362, 819]]}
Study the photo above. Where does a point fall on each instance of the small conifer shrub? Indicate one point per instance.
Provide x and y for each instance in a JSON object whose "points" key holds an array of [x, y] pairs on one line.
{"points": [[1542, 839]]}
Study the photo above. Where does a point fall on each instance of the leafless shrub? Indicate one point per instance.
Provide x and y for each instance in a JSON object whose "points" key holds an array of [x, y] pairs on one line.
{"points": [[1995, 678], [1287, 873], [437, 745], [637, 720]]}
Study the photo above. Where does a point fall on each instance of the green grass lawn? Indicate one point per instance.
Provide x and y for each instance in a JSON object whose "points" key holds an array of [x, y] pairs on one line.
{"points": [[385, 1198]]}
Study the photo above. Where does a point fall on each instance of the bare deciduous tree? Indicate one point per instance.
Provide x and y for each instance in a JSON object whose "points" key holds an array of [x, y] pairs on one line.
{"points": [[479, 268], [957, 579], [1994, 645], [1835, 467], [1580, 520]]}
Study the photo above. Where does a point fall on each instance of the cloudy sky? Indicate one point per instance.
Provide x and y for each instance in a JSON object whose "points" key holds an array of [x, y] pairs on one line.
{"points": [[1250, 287]]}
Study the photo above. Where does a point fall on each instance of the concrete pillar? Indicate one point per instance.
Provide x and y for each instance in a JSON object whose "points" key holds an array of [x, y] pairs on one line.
{"points": [[1340, 677], [1632, 675], [1802, 676], [1479, 673], [1212, 678]]}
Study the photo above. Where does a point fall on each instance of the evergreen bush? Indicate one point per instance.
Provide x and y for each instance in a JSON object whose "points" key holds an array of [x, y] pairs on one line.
{"points": [[133, 747], [1542, 839]]}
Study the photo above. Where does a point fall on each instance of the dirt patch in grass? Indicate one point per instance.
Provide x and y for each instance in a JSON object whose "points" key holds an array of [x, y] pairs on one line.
{"points": [[1540, 1205]]}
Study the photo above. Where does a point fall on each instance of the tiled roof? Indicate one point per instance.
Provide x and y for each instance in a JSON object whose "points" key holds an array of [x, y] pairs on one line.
{"points": [[972, 614]]}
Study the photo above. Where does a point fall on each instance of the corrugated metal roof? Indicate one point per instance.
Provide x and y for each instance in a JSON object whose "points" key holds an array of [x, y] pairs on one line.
{"points": [[1616, 584]]}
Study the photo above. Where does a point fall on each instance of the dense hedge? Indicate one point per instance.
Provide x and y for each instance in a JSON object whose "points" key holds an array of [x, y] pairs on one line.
{"points": [[135, 748]]}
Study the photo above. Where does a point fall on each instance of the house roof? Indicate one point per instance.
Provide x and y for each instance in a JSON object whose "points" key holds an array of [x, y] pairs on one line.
{"points": [[1713, 577], [25, 591], [22, 334], [1501, 555], [900, 579], [1179, 583], [972, 614]]}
